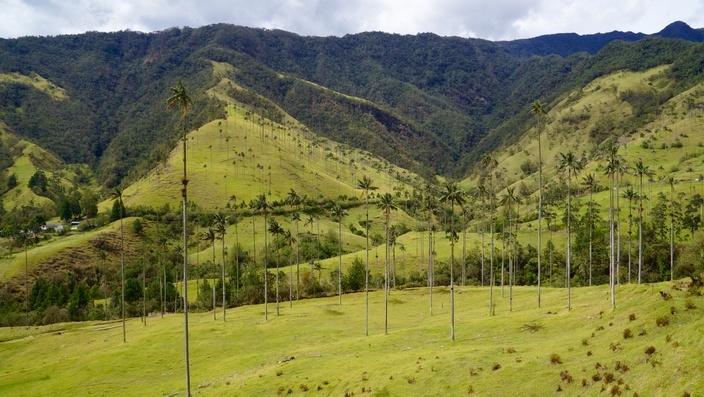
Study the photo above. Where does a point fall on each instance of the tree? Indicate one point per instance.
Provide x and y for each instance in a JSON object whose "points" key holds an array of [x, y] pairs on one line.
{"points": [[288, 240], [387, 203], [180, 98], [276, 230], [569, 163], [430, 204], [454, 196], [537, 109], [672, 181], [631, 196], [338, 213], [489, 162], [641, 169], [507, 200], [262, 205], [294, 200], [610, 153], [296, 217], [366, 184], [210, 236], [117, 196], [220, 224], [590, 182]]}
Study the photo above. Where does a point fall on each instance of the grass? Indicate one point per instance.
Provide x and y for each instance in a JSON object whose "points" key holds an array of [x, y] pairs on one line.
{"points": [[320, 347]]}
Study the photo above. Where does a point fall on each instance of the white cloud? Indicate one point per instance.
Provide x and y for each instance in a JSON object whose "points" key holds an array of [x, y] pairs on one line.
{"points": [[494, 20]]}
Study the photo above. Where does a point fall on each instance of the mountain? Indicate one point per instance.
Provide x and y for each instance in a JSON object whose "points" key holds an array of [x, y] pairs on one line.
{"points": [[427, 103], [566, 44]]}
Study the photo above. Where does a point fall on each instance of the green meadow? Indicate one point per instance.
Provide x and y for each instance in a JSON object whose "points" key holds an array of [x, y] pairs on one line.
{"points": [[646, 346]]}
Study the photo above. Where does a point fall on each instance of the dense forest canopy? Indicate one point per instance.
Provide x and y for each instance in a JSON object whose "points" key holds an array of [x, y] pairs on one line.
{"points": [[429, 103]]}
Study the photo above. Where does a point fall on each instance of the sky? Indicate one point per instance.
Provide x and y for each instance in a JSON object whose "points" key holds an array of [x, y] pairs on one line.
{"points": [[486, 19]]}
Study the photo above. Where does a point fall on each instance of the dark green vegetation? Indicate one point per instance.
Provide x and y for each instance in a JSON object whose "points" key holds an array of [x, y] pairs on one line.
{"points": [[433, 104]]}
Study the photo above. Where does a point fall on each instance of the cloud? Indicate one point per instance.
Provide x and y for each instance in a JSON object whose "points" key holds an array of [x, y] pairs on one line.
{"points": [[494, 20]]}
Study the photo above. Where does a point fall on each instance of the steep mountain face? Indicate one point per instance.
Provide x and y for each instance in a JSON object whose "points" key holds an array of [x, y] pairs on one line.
{"points": [[429, 103]]}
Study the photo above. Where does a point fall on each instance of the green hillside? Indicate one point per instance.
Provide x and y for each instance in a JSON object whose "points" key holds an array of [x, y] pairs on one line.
{"points": [[646, 346]]}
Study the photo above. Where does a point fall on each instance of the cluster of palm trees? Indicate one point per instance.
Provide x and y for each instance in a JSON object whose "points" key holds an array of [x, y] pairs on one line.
{"points": [[454, 199]]}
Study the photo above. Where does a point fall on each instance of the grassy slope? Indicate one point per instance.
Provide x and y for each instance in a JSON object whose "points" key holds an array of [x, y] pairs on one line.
{"points": [[491, 355], [246, 156], [599, 100]]}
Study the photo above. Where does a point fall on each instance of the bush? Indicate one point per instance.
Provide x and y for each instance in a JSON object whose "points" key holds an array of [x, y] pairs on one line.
{"points": [[662, 321], [555, 359]]}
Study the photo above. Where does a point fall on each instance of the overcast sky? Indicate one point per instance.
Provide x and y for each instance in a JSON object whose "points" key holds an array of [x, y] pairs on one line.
{"points": [[487, 19]]}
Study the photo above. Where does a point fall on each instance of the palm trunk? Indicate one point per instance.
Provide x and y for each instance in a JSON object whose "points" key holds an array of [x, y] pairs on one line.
{"points": [[366, 270], [569, 235], [540, 205]]}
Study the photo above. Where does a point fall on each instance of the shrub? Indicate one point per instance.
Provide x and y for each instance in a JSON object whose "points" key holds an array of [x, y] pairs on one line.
{"points": [[689, 304], [632, 317], [627, 334], [650, 350], [662, 321], [555, 358]]}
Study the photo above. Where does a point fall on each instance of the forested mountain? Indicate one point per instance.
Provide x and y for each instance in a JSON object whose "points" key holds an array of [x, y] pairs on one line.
{"points": [[428, 103]]}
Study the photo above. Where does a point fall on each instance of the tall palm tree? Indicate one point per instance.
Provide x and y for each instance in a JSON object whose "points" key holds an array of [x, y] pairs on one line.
{"points": [[338, 213], [489, 162], [387, 203], [262, 205], [590, 182], [621, 168], [220, 224], [296, 217], [631, 196], [672, 181], [612, 165], [641, 169], [507, 200], [366, 184], [117, 195], [569, 162], [276, 231], [180, 98], [430, 206], [452, 195], [482, 192], [288, 240], [210, 236], [538, 109]]}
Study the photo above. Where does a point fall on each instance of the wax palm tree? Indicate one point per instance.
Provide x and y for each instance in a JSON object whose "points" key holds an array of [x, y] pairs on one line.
{"points": [[590, 182], [117, 195], [489, 162], [276, 230], [482, 192], [452, 195], [366, 184], [569, 163], [296, 217], [641, 169], [507, 200], [220, 224], [387, 203], [612, 164], [538, 110], [180, 98], [631, 196], [430, 205], [672, 181], [262, 205], [210, 236], [338, 213], [288, 240]]}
